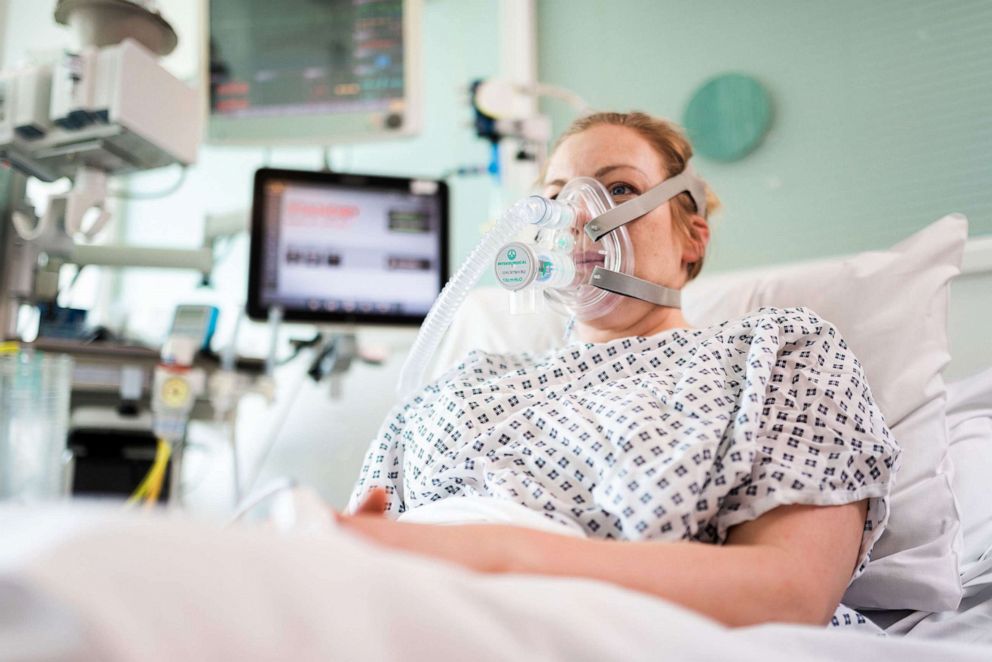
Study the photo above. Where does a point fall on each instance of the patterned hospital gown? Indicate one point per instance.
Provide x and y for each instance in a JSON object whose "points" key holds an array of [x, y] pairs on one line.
{"points": [[678, 436]]}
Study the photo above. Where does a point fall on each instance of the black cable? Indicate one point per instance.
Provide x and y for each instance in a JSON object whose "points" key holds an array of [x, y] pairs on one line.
{"points": [[299, 346], [68, 286]]}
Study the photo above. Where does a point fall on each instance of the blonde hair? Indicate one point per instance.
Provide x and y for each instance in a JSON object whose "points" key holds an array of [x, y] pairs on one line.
{"points": [[675, 151]]}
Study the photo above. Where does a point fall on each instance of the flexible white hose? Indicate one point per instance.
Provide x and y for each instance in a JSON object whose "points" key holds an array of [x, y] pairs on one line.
{"points": [[533, 209]]}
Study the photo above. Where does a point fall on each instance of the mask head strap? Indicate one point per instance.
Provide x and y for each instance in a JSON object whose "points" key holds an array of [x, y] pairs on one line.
{"points": [[637, 288], [685, 182]]}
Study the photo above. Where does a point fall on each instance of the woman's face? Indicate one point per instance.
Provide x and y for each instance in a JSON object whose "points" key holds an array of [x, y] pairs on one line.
{"points": [[627, 165]]}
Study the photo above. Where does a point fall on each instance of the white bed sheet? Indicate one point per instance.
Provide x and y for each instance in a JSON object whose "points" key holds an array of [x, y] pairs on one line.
{"points": [[970, 420], [172, 588], [971, 622]]}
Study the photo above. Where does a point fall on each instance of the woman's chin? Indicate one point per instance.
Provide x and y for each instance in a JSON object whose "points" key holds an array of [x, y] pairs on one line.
{"points": [[630, 317], [618, 319]]}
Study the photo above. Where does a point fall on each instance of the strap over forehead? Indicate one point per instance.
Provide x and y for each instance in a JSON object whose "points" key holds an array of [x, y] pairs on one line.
{"points": [[685, 182]]}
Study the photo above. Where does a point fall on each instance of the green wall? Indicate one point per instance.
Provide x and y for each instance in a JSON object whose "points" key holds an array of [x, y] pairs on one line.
{"points": [[882, 118]]}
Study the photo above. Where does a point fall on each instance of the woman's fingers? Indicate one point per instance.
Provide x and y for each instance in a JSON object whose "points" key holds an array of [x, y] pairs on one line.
{"points": [[382, 529], [374, 504]]}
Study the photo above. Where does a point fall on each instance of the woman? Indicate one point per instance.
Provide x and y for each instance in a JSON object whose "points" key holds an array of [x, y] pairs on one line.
{"points": [[622, 457]]}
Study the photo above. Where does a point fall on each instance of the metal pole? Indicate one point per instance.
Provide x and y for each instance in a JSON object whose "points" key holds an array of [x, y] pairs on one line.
{"points": [[12, 251], [518, 63]]}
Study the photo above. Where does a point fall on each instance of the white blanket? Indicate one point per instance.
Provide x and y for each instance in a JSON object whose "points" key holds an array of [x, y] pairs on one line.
{"points": [[159, 588]]}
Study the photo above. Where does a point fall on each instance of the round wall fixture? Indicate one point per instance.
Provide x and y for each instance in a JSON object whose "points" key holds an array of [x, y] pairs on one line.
{"points": [[727, 117]]}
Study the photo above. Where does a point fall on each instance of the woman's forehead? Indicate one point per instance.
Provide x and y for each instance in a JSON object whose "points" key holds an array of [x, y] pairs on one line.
{"points": [[583, 154]]}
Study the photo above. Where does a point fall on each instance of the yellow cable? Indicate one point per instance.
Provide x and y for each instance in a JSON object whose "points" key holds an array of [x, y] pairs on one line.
{"points": [[158, 479], [140, 492], [151, 485], [142, 488]]}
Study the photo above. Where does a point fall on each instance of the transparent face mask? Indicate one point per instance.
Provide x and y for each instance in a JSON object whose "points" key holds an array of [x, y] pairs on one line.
{"points": [[589, 198], [581, 259]]}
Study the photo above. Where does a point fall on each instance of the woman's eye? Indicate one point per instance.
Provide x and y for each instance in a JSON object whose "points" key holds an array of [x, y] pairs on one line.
{"points": [[620, 190]]}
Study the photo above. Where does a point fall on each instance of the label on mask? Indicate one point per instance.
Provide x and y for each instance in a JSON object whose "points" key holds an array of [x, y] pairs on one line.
{"points": [[515, 266]]}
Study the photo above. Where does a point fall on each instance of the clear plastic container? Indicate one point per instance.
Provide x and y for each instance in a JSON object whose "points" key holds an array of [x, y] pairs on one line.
{"points": [[34, 421]]}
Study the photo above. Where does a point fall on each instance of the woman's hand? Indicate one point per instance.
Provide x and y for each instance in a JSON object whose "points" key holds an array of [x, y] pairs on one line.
{"points": [[477, 547], [374, 504]]}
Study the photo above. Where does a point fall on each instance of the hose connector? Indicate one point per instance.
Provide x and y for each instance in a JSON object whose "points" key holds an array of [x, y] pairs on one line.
{"points": [[546, 213]]}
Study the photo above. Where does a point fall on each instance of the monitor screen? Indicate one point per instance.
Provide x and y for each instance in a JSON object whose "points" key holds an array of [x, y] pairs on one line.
{"points": [[305, 69], [330, 247]]}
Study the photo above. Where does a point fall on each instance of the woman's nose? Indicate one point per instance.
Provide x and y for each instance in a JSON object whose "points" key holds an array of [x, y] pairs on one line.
{"points": [[579, 226]]}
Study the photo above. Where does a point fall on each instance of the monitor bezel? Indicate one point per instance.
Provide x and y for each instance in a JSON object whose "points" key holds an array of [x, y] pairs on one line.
{"points": [[321, 128], [258, 311]]}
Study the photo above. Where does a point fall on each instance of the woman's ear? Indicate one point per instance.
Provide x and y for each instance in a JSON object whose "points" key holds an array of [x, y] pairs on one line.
{"points": [[694, 248]]}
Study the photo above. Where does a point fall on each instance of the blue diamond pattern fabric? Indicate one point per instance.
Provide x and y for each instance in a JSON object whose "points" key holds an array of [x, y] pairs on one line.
{"points": [[678, 436]]}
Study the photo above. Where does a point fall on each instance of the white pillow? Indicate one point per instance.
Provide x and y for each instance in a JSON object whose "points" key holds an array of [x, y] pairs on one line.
{"points": [[969, 417], [891, 306]]}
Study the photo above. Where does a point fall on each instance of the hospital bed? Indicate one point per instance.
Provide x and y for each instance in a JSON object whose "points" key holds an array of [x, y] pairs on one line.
{"points": [[84, 583]]}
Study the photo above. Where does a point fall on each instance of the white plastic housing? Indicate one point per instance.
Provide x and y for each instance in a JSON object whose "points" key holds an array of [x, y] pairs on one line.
{"points": [[113, 109]]}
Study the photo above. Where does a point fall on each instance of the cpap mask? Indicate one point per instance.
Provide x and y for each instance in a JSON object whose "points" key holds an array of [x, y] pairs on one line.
{"points": [[581, 257]]}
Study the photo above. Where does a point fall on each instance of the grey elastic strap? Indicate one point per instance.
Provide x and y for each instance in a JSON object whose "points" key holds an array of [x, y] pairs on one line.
{"points": [[684, 182], [631, 286]]}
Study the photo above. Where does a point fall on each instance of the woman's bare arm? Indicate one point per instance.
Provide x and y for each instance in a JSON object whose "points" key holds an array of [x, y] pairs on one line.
{"points": [[792, 564]]}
